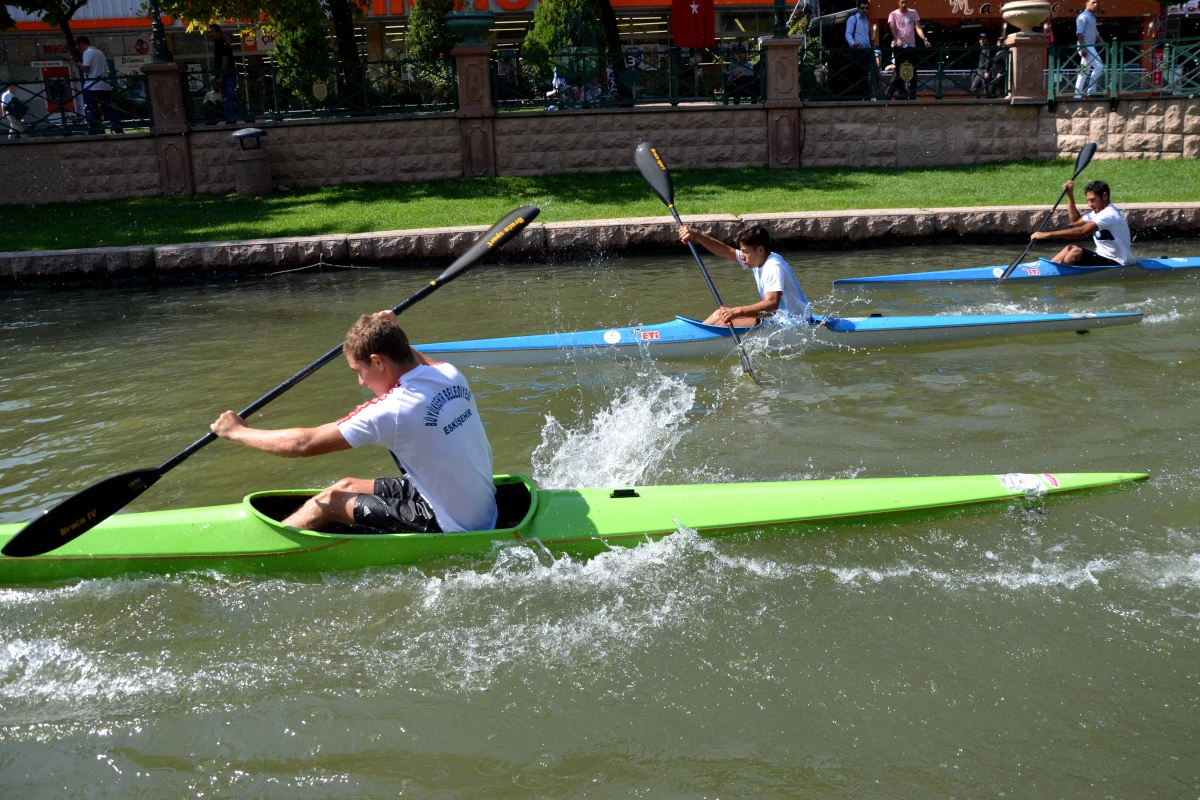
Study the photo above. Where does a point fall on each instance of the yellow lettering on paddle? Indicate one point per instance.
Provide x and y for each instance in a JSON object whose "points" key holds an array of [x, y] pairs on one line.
{"points": [[507, 229]]}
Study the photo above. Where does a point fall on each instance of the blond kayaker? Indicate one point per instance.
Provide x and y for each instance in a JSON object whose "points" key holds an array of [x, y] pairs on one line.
{"points": [[423, 413]]}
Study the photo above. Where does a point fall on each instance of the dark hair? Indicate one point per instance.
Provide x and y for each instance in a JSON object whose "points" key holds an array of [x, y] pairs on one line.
{"points": [[374, 335], [755, 236], [82, 40], [1098, 188], [215, 27]]}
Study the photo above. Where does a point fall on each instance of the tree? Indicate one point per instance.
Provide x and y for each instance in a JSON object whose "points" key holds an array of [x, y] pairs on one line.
{"points": [[562, 24], [428, 34], [57, 13], [302, 53], [277, 16]]}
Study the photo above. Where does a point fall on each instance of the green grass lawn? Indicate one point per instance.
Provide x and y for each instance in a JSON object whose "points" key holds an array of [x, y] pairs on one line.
{"points": [[468, 201]]}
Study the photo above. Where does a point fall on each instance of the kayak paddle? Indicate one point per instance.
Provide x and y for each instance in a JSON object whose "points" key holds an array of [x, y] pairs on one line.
{"points": [[655, 172], [1081, 162], [86, 509]]}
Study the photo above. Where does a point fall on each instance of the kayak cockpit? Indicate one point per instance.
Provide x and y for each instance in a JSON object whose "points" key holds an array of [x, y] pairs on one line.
{"points": [[515, 501]]}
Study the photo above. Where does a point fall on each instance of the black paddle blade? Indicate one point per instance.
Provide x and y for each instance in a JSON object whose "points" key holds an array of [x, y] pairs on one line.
{"points": [[79, 513], [1085, 156], [496, 237], [655, 172]]}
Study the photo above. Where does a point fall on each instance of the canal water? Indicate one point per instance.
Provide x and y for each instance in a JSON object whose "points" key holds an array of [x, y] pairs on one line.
{"points": [[1028, 650]]}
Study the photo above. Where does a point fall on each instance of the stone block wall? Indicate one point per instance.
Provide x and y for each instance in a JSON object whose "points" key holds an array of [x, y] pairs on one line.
{"points": [[919, 135], [327, 152], [1137, 129], [308, 154], [603, 141], [67, 170]]}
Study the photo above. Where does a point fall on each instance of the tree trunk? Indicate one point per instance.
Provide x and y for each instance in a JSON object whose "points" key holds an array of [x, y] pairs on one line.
{"points": [[612, 41], [65, 27], [343, 28]]}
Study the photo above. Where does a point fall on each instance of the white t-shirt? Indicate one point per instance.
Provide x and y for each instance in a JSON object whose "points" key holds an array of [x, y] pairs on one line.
{"points": [[95, 66], [776, 276], [431, 425], [1112, 234]]}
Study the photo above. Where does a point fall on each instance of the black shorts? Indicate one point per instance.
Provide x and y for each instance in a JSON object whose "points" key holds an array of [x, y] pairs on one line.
{"points": [[395, 507], [1089, 258]]}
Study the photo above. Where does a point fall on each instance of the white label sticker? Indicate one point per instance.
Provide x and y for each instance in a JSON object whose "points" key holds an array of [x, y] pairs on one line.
{"points": [[997, 272], [612, 337], [1023, 483]]}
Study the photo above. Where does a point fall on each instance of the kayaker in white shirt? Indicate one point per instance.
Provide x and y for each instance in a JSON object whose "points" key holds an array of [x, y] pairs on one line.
{"points": [[777, 286], [423, 413], [1104, 223]]}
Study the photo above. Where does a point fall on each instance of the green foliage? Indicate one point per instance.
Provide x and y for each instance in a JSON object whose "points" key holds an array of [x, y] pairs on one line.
{"points": [[304, 58], [55, 13], [428, 35], [561, 26]]}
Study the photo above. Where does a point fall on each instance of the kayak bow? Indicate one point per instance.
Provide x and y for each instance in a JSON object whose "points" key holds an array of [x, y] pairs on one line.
{"points": [[247, 537], [686, 339], [1041, 270]]}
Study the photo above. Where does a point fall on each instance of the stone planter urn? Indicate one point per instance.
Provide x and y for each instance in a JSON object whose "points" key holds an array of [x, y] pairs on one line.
{"points": [[1025, 15], [470, 26]]}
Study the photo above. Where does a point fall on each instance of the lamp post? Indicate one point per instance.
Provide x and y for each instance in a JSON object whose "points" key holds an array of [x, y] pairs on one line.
{"points": [[159, 34], [780, 20]]}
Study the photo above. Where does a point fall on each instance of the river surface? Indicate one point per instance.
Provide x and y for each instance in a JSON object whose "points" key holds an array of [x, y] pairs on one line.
{"points": [[1046, 650]]}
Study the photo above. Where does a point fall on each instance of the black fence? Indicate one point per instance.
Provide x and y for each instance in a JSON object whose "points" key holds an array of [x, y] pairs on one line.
{"points": [[74, 106], [903, 73]]}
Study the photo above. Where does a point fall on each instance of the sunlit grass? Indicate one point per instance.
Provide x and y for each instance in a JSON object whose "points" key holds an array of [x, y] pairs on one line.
{"points": [[469, 201]]}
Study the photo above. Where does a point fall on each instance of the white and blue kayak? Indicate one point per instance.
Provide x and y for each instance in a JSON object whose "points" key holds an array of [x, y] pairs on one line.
{"points": [[685, 339], [1040, 270]]}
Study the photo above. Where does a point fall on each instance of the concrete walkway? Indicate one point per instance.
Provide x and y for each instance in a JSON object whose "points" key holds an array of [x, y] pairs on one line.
{"points": [[425, 246]]}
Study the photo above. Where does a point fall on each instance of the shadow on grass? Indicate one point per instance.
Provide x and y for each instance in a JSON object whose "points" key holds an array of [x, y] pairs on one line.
{"points": [[357, 208]]}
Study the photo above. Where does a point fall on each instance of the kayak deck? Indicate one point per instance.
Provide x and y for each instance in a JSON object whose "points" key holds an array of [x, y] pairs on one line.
{"points": [[686, 339], [247, 538], [1040, 270]]}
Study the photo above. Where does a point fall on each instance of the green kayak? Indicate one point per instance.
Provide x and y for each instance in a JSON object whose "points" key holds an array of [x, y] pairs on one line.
{"points": [[246, 537]]}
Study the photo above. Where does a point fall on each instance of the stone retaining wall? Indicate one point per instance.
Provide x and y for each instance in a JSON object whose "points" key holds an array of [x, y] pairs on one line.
{"points": [[794, 230], [69, 170], [313, 153]]}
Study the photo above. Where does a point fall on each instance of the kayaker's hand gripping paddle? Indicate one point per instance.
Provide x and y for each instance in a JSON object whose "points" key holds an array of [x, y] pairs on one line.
{"points": [[1081, 162], [86, 509], [655, 172]]}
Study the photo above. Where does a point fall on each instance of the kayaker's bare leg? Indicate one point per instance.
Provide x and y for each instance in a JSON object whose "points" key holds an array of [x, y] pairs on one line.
{"points": [[1068, 255], [741, 322], [334, 506]]}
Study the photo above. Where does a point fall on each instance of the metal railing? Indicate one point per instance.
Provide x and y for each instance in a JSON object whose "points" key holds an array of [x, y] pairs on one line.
{"points": [[593, 78], [903, 73], [403, 86], [1115, 70], [62, 106]]}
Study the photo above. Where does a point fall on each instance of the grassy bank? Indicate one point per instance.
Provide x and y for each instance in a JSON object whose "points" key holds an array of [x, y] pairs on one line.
{"points": [[462, 201]]}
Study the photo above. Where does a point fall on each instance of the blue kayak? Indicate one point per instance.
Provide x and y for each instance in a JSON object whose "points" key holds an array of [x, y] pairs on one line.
{"points": [[686, 339], [1040, 270]]}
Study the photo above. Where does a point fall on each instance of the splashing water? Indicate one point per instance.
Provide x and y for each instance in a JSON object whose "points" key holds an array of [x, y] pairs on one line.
{"points": [[623, 444]]}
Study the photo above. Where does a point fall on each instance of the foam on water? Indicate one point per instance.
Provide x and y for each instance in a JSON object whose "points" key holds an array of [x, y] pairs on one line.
{"points": [[621, 444]]}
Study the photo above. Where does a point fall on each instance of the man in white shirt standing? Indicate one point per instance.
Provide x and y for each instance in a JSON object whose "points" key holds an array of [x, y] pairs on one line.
{"points": [[97, 92], [777, 286], [12, 112], [1104, 222], [1091, 65], [423, 413]]}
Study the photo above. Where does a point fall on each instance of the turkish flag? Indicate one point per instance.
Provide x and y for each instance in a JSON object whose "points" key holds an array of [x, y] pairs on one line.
{"points": [[693, 23]]}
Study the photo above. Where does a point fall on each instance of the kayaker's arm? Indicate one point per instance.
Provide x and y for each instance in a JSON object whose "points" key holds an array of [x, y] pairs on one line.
{"points": [[1078, 230], [763, 308], [1072, 209], [287, 442], [714, 246]]}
